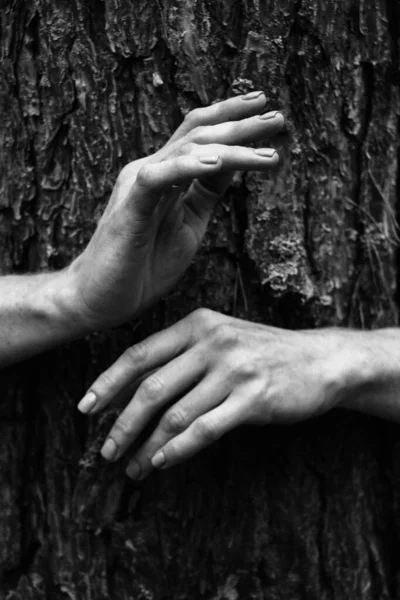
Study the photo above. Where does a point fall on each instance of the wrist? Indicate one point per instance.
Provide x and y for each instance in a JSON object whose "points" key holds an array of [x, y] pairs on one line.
{"points": [[57, 301], [350, 367], [92, 307], [341, 366]]}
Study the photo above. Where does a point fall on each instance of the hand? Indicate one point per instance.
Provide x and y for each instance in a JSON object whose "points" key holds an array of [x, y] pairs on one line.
{"points": [[149, 233], [210, 373]]}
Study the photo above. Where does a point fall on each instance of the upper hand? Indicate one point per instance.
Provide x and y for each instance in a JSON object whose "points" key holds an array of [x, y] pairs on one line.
{"points": [[209, 373], [149, 233]]}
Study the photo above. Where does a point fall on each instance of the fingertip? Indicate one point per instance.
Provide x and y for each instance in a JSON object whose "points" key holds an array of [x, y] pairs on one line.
{"points": [[109, 451], [275, 159], [279, 117], [134, 470], [87, 403], [159, 460], [273, 116], [211, 161], [270, 154], [251, 96]]}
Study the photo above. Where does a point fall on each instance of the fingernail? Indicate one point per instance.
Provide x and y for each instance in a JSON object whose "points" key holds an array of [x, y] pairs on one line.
{"points": [[265, 152], [269, 115], [209, 160], [133, 470], [109, 450], [87, 402], [252, 95], [158, 460]]}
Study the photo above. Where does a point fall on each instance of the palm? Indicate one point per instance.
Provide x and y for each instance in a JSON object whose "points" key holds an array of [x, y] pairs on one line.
{"points": [[174, 237], [175, 243]]}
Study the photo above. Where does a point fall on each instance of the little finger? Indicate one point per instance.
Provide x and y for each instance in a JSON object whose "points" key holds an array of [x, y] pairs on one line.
{"points": [[206, 430]]}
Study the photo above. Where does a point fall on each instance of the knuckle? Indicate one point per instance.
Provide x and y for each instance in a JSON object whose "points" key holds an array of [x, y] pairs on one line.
{"points": [[193, 117], [183, 168], [207, 430], [145, 176], [175, 421], [122, 427], [201, 321], [197, 134], [137, 354], [105, 383], [230, 362], [128, 172], [225, 335], [124, 173], [188, 149], [152, 389], [203, 316], [248, 368]]}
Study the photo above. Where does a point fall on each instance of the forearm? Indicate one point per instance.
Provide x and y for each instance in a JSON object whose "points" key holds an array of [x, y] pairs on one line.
{"points": [[370, 361], [36, 313]]}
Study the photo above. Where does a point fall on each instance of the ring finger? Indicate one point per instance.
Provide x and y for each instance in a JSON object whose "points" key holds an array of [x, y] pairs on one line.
{"points": [[208, 394]]}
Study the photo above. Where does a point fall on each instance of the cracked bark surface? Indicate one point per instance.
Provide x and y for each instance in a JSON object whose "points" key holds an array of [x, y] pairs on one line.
{"points": [[310, 511]]}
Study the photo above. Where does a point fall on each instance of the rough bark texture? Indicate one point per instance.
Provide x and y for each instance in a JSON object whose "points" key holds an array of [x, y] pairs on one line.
{"points": [[311, 511]]}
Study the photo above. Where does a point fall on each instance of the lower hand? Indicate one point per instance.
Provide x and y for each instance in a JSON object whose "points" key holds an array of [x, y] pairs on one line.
{"points": [[149, 233], [210, 373]]}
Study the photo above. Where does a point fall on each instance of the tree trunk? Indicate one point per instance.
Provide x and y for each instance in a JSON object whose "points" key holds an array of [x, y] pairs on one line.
{"points": [[304, 512]]}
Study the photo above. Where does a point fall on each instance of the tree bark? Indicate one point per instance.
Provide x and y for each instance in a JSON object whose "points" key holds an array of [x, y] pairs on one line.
{"points": [[308, 511]]}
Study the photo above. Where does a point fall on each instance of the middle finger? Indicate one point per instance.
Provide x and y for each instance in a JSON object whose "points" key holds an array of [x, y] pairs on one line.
{"points": [[153, 394], [245, 131]]}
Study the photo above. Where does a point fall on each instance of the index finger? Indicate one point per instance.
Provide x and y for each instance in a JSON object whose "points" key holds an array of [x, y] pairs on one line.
{"points": [[232, 109], [136, 361]]}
